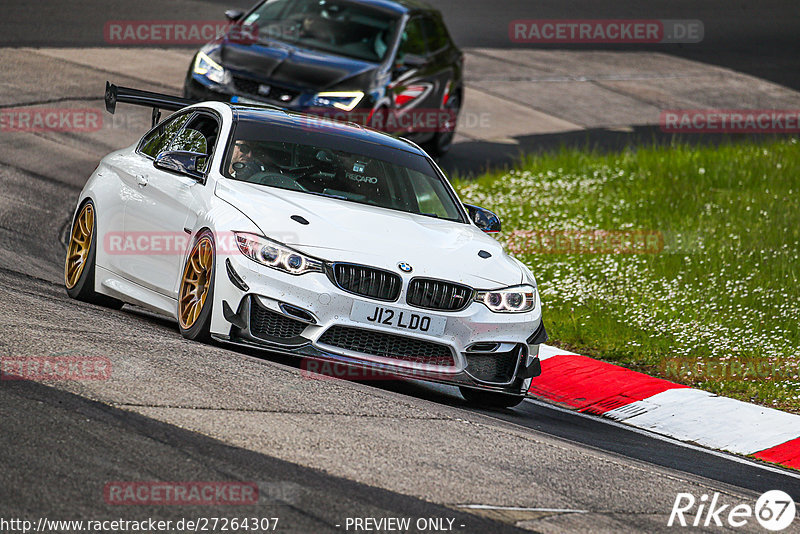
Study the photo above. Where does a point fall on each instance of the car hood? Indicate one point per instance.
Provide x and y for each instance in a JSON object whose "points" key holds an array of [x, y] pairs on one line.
{"points": [[338, 230], [296, 67]]}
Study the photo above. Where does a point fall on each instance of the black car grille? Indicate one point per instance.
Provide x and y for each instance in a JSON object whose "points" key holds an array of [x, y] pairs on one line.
{"points": [[277, 93], [438, 295], [367, 281], [265, 323], [387, 345], [495, 367]]}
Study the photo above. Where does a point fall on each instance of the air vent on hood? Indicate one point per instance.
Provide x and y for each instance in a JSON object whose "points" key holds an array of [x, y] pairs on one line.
{"points": [[298, 218]]}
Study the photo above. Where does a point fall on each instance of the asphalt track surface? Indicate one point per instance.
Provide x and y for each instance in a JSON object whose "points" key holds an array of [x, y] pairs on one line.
{"points": [[320, 450], [59, 456]]}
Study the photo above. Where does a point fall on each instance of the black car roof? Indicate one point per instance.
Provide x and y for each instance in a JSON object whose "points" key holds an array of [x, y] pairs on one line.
{"points": [[320, 125]]}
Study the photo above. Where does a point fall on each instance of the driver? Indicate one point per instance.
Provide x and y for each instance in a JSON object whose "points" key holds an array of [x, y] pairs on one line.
{"points": [[243, 164]]}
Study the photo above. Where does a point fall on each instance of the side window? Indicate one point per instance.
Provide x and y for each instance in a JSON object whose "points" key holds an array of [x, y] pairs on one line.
{"points": [[428, 192], [157, 140], [413, 39], [436, 33], [271, 10], [198, 135]]}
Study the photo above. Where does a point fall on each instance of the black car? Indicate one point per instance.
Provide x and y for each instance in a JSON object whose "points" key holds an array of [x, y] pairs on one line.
{"points": [[389, 64]]}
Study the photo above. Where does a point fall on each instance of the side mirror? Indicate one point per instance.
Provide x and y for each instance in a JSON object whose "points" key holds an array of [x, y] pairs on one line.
{"points": [[180, 162], [484, 219], [234, 14]]}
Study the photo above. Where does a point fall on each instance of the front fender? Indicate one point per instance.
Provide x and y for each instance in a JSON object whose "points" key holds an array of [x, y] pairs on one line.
{"points": [[222, 219]]}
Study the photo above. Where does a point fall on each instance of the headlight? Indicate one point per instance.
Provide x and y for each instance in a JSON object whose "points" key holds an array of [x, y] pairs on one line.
{"points": [[517, 299], [205, 66], [344, 100], [275, 255]]}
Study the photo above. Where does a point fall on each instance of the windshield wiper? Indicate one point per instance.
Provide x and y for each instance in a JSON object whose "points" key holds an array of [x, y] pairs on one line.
{"points": [[328, 195]]}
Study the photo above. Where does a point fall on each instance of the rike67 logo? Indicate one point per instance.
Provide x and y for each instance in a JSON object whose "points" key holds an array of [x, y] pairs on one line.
{"points": [[774, 510]]}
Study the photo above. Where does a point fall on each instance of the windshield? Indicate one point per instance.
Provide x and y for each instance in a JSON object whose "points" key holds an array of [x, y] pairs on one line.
{"points": [[340, 174], [339, 27]]}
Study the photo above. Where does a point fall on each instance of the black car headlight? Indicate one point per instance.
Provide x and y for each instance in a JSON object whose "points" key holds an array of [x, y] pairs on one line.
{"points": [[517, 299], [344, 100], [210, 69], [276, 255]]}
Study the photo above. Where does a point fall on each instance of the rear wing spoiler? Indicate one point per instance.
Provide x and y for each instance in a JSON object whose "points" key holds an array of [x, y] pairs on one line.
{"points": [[157, 101]]}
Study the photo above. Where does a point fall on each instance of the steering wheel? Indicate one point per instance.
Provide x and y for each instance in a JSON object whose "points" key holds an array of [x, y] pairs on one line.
{"points": [[276, 180], [293, 170]]}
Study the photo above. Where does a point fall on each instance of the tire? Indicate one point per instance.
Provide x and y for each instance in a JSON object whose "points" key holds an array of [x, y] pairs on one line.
{"points": [[490, 399], [442, 141], [79, 265], [196, 293]]}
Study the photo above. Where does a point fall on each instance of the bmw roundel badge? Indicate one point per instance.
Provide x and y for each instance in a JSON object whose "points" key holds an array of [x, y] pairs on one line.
{"points": [[405, 267]]}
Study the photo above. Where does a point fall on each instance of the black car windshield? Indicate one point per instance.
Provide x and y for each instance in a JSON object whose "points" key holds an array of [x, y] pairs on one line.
{"points": [[335, 26], [405, 183]]}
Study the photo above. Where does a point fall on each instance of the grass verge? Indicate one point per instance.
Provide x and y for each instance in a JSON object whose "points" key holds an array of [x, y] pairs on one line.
{"points": [[714, 303]]}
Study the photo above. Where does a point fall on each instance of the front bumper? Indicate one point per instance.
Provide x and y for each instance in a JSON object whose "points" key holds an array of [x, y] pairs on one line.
{"points": [[199, 88], [308, 316]]}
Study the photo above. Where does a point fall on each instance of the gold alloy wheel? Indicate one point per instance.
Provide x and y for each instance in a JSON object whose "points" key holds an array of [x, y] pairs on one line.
{"points": [[79, 245], [196, 282]]}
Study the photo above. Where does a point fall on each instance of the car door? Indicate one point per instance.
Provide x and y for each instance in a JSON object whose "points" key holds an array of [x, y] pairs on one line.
{"points": [[413, 88], [160, 217], [442, 59], [132, 169], [422, 75]]}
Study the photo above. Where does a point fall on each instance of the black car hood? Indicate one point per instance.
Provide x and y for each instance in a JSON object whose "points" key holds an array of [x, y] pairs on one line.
{"points": [[296, 67]]}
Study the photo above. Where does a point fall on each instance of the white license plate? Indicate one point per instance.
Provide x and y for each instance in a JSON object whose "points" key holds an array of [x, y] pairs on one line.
{"points": [[405, 320]]}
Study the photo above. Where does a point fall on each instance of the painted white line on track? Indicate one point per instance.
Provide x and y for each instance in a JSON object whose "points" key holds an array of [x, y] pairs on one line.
{"points": [[654, 435], [522, 509]]}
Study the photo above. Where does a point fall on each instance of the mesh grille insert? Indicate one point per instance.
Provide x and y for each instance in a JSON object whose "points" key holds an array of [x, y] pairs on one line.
{"points": [[387, 345], [270, 324], [250, 86], [496, 367]]}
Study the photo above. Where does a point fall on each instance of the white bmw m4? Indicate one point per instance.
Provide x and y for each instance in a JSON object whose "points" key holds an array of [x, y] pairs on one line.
{"points": [[328, 241]]}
